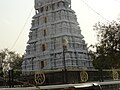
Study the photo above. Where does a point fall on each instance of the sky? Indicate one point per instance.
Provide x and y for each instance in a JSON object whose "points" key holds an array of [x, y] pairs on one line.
{"points": [[16, 16]]}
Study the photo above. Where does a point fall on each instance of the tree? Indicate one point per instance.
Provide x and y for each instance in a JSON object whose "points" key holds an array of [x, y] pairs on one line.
{"points": [[107, 53], [12, 57]]}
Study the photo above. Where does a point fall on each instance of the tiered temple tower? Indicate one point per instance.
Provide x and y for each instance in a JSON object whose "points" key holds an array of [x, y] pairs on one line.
{"points": [[54, 25]]}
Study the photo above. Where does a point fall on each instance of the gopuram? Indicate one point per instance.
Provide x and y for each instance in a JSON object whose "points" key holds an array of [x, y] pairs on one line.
{"points": [[56, 46]]}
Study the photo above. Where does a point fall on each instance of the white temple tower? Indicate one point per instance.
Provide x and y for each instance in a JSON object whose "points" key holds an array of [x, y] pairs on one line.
{"points": [[55, 20]]}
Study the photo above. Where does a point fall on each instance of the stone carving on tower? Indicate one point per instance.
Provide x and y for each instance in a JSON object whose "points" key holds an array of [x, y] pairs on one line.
{"points": [[55, 20]]}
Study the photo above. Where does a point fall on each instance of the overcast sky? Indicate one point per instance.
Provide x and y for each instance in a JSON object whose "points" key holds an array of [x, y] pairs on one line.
{"points": [[14, 13]]}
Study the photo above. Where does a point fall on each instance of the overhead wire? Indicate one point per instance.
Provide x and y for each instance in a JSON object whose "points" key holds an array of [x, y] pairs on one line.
{"points": [[95, 11], [21, 30]]}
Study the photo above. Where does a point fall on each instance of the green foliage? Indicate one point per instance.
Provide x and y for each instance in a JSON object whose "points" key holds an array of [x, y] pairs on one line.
{"points": [[16, 58], [107, 53]]}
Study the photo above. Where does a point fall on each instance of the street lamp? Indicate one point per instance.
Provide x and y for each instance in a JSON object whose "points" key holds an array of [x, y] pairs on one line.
{"points": [[65, 43]]}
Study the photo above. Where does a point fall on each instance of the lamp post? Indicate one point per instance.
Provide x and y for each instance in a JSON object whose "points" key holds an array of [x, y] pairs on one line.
{"points": [[65, 43]]}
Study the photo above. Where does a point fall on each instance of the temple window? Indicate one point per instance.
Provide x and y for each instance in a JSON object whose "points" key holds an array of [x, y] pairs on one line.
{"points": [[43, 47], [43, 64], [53, 6], [45, 32], [45, 19]]}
